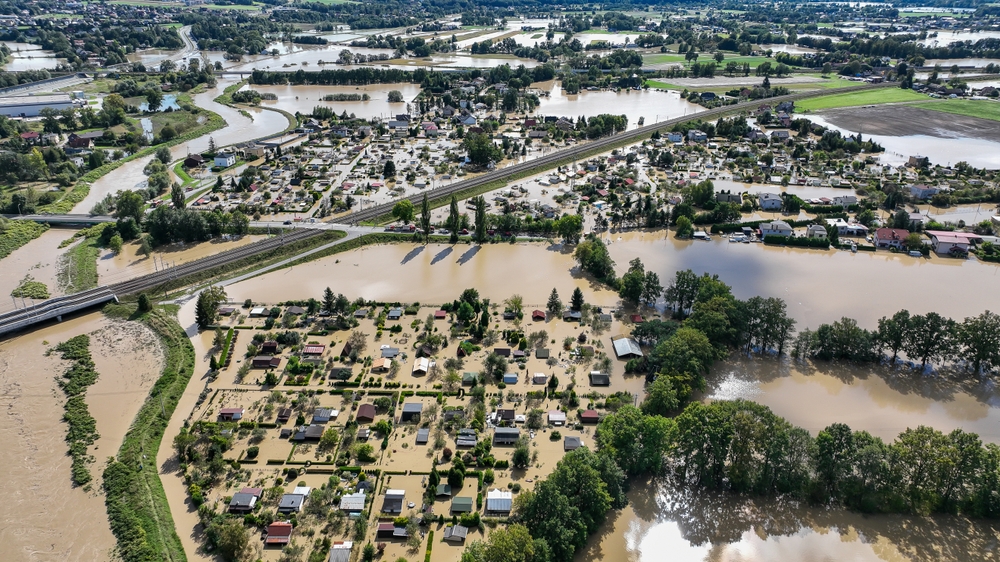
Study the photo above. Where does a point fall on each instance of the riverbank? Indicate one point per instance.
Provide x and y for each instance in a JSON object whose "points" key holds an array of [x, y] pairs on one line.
{"points": [[136, 502]]}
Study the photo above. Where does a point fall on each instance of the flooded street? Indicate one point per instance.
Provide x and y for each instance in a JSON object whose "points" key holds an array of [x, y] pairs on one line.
{"points": [[28, 56], [39, 259], [130, 263], [42, 519]]}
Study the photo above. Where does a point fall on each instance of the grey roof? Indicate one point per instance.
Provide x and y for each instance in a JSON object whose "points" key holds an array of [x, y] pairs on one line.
{"points": [[500, 501], [600, 379], [290, 502], [465, 442], [572, 442], [461, 504], [413, 407], [392, 505], [242, 501], [541, 353], [456, 533], [353, 502], [627, 346], [390, 352], [423, 435], [443, 490], [340, 555]]}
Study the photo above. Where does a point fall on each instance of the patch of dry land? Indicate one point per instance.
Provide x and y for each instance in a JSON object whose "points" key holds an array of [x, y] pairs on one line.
{"points": [[379, 406], [45, 517], [902, 120]]}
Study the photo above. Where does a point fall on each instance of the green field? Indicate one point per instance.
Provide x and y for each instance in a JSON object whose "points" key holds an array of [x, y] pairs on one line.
{"points": [[871, 97], [983, 109]]}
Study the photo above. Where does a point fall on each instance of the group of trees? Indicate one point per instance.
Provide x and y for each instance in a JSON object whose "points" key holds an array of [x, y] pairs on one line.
{"points": [[924, 338], [744, 447]]}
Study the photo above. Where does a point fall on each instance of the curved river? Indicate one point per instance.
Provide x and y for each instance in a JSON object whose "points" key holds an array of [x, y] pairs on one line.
{"points": [[238, 129]]}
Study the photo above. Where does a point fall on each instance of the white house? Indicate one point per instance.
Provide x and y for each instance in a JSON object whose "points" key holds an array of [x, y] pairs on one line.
{"points": [[845, 228], [776, 228], [499, 501], [770, 201], [815, 231], [225, 159], [845, 200]]}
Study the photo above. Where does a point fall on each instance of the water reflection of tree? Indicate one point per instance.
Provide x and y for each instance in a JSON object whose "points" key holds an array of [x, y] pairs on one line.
{"points": [[706, 517], [937, 387]]}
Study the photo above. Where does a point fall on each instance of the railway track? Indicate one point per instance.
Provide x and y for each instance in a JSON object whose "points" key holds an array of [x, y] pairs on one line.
{"points": [[589, 148], [153, 280]]}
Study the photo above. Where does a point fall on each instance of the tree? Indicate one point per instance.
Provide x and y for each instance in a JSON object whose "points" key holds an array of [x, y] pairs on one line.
{"points": [[395, 96], [389, 170], [129, 204], [481, 150], [635, 441], [145, 245], [682, 291], [403, 211], [893, 333], [684, 228], [115, 244], [576, 300], [979, 337], [631, 287], [661, 398], [554, 306], [177, 196], [914, 241], [163, 155], [480, 204], [686, 357], [206, 309], [425, 217], [494, 367], [931, 338], [232, 540], [521, 457], [328, 301], [465, 313], [453, 220], [144, 303], [570, 227]]}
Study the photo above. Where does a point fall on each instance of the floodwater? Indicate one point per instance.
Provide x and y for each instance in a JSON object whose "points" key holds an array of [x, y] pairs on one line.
{"points": [[304, 98], [971, 214], [43, 517], [39, 259], [238, 129], [435, 273], [663, 522], [130, 263], [653, 105], [980, 153], [881, 400], [28, 56]]}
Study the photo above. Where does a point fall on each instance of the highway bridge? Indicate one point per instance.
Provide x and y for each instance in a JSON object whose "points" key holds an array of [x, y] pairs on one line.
{"points": [[57, 307], [64, 220]]}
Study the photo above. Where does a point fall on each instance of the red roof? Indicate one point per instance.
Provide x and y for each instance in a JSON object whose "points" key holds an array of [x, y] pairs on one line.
{"points": [[386, 527], [225, 411], [589, 415], [29, 135], [252, 491], [366, 411], [628, 181], [636, 318], [313, 349], [892, 234], [440, 314], [278, 533], [538, 315]]}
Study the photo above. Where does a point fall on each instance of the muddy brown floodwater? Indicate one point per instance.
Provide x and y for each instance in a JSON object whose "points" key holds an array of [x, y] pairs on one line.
{"points": [[662, 522], [45, 517]]}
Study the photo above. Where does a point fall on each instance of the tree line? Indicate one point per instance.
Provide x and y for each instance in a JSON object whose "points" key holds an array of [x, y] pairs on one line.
{"points": [[973, 343]]}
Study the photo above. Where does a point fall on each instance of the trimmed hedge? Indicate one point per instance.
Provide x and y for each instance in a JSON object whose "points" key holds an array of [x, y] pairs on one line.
{"points": [[799, 241]]}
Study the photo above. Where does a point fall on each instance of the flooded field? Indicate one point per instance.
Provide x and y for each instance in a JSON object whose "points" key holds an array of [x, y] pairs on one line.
{"points": [[304, 98], [130, 263], [39, 259], [653, 105], [43, 517], [28, 56], [906, 131]]}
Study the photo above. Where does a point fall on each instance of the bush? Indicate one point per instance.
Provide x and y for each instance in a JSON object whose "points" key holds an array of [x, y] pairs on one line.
{"points": [[252, 452], [555, 436]]}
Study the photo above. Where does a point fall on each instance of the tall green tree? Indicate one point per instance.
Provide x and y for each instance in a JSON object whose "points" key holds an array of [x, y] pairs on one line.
{"points": [[177, 196], [403, 211], [980, 340], [425, 217], [894, 332], [555, 306], [480, 204], [931, 338], [206, 308], [329, 303], [576, 300], [453, 220]]}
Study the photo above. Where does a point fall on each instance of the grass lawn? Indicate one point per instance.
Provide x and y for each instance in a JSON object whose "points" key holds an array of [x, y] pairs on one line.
{"points": [[182, 121], [871, 97], [984, 109], [663, 85]]}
